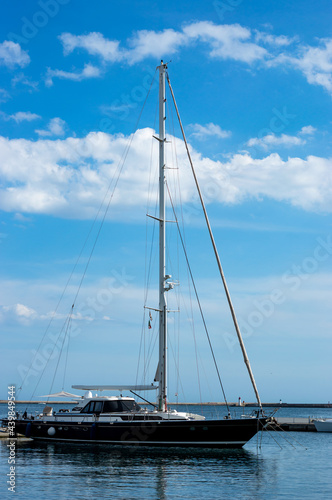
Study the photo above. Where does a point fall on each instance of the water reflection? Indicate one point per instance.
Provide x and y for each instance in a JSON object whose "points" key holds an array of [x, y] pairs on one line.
{"points": [[79, 471], [99, 470]]}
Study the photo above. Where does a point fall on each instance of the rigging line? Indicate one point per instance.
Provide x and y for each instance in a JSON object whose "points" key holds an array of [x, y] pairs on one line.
{"points": [[142, 341], [148, 268], [151, 344], [260, 440], [278, 427], [67, 351], [178, 381], [65, 288], [61, 349], [150, 191], [283, 437], [270, 434], [147, 357], [177, 190], [174, 152], [151, 349], [123, 160], [87, 238], [237, 328], [191, 316], [144, 399], [59, 302], [146, 273], [148, 265], [196, 352], [177, 370], [140, 348], [144, 348], [178, 194], [198, 301], [147, 277], [55, 345]]}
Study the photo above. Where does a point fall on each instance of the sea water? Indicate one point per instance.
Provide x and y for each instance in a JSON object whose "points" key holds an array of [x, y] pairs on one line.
{"points": [[273, 465]]}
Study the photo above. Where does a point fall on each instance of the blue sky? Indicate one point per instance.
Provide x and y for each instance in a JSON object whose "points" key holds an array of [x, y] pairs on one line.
{"points": [[253, 81]]}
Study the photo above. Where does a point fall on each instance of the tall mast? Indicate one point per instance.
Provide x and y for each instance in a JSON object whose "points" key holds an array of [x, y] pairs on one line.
{"points": [[162, 233]]}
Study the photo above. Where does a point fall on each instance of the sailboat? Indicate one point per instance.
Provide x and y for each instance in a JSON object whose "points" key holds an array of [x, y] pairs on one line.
{"points": [[120, 420]]}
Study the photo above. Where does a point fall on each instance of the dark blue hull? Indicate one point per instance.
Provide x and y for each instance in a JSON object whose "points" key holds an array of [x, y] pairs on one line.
{"points": [[232, 433]]}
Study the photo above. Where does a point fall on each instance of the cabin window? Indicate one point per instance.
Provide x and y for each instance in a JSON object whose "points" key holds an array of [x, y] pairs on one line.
{"points": [[129, 406], [120, 406], [98, 407], [116, 406], [93, 407], [87, 408], [111, 406]]}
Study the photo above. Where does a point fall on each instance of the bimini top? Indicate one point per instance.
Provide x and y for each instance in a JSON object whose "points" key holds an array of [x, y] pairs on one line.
{"points": [[61, 394], [116, 387]]}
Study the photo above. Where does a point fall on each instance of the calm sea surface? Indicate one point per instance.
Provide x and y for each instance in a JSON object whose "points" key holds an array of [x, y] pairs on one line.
{"points": [[287, 466]]}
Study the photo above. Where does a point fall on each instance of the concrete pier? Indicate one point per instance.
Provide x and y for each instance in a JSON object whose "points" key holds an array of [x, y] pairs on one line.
{"points": [[292, 424]]}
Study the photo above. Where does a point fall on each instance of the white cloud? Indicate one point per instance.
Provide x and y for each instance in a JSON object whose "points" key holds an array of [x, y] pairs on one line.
{"points": [[273, 40], [308, 130], [271, 140], [305, 183], [56, 127], [89, 71], [4, 95], [314, 62], [116, 109], [226, 41], [11, 54], [284, 140], [143, 44], [21, 218], [21, 79], [68, 177], [94, 43], [208, 130], [18, 312], [28, 300], [24, 311], [23, 314], [154, 44], [21, 116], [234, 42]]}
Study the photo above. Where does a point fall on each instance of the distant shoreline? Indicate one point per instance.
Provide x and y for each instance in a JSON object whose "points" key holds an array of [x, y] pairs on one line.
{"points": [[252, 405]]}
